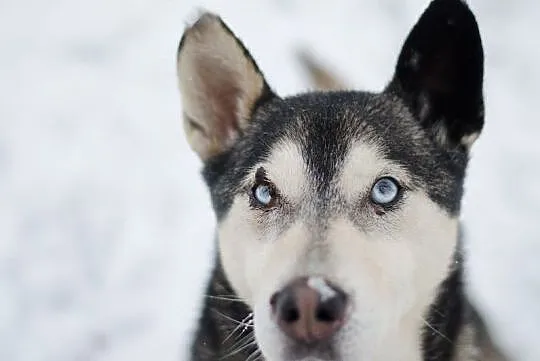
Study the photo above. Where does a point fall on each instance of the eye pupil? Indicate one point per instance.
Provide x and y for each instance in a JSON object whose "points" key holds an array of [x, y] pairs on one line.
{"points": [[384, 187], [263, 194], [385, 191]]}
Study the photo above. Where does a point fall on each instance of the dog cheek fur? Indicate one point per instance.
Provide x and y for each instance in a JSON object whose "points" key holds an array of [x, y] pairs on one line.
{"points": [[258, 262], [237, 240], [252, 252], [393, 276]]}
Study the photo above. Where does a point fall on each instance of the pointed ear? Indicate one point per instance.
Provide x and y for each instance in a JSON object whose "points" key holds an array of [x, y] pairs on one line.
{"points": [[440, 73], [220, 85]]}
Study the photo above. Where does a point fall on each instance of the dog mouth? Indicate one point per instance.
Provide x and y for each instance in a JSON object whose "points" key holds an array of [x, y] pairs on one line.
{"points": [[320, 351]]}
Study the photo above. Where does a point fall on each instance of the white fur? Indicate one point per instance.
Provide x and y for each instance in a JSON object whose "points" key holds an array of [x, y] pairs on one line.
{"points": [[319, 284], [286, 169], [361, 169], [390, 270], [470, 139]]}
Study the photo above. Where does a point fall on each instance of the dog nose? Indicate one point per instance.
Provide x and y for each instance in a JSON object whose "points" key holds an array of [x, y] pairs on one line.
{"points": [[309, 309]]}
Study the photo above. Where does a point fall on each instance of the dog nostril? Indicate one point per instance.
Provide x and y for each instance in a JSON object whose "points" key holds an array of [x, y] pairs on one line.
{"points": [[325, 315], [309, 311], [290, 315], [333, 309], [285, 306]]}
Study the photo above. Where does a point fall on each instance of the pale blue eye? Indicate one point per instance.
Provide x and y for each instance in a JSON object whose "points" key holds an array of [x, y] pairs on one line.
{"points": [[385, 191], [263, 194]]}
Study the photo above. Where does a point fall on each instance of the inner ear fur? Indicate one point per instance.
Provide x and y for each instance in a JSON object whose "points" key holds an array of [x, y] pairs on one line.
{"points": [[220, 85]]}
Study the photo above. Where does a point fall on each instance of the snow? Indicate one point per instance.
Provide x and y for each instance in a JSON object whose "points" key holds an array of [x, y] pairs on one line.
{"points": [[106, 231]]}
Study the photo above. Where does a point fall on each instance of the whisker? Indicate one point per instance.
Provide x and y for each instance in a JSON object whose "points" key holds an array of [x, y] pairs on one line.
{"points": [[437, 311], [240, 349], [249, 325], [255, 355], [225, 298], [246, 322], [435, 330], [231, 319], [242, 341]]}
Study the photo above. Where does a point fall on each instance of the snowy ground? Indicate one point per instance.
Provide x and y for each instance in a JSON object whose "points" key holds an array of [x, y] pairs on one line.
{"points": [[105, 226]]}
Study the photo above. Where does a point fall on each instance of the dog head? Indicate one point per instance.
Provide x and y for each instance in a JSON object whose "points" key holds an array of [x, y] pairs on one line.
{"points": [[337, 211]]}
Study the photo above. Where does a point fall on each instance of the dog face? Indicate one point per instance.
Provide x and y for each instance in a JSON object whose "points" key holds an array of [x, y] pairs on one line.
{"points": [[337, 212]]}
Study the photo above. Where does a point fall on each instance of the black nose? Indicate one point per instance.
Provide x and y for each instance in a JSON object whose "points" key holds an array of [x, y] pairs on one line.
{"points": [[309, 309]]}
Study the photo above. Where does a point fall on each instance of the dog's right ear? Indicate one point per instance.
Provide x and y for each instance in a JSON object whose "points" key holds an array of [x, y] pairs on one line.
{"points": [[440, 72], [220, 84]]}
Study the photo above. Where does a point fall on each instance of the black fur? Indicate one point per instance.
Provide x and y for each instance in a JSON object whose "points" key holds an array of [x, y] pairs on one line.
{"points": [[213, 340], [325, 124], [447, 315], [440, 70]]}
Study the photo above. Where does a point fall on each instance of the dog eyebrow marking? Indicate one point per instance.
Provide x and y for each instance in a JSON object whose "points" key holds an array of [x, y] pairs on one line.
{"points": [[362, 166], [260, 175], [285, 168]]}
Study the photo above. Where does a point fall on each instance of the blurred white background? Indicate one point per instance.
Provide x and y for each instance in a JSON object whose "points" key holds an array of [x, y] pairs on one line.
{"points": [[105, 225]]}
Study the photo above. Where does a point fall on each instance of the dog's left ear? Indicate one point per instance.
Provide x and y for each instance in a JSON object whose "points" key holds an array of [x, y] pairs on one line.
{"points": [[440, 73]]}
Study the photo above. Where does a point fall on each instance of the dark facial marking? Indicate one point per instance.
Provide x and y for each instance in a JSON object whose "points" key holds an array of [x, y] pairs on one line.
{"points": [[325, 125]]}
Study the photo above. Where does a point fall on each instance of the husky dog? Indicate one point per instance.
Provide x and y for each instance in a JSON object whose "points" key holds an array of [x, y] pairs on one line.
{"points": [[338, 231]]}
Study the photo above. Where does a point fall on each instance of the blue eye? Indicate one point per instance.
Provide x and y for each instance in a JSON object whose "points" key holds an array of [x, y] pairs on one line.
{"points": [[385, 191], [263, 194]]}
